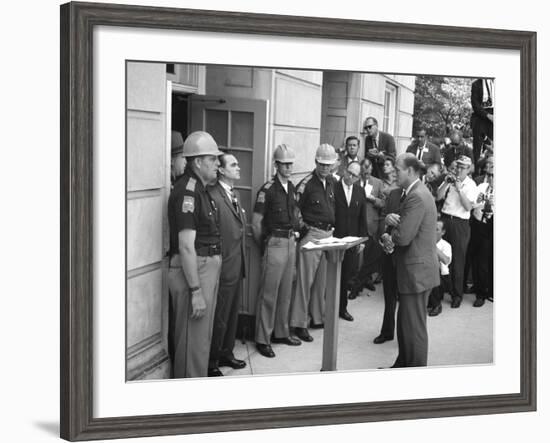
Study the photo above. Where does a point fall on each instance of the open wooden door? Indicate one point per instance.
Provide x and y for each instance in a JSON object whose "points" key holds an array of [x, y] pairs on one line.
{"points": [[240, 126]]}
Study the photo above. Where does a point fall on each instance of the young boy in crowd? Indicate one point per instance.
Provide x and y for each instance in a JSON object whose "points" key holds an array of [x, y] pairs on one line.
{"points": [[444, 254]]}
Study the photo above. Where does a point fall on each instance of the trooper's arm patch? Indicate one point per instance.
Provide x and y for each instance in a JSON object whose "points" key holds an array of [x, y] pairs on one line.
{"points": [[188, 204]]}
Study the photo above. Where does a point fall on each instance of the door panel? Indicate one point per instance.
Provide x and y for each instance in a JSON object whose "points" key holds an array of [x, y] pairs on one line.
{"points": [[239, 126]]}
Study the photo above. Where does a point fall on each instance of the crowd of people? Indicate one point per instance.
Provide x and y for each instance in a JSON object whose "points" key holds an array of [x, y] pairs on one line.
{"points": [[427, 215]]}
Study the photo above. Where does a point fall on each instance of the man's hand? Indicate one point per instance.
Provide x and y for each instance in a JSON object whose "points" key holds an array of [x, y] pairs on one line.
{"points": [[387, 243], [373, 151], [360, 248], [490, 117], [393, 219], [198, 303]]}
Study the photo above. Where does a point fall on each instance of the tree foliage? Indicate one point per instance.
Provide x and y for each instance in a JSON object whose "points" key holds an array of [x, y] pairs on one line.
{"points": [[442, 104]]}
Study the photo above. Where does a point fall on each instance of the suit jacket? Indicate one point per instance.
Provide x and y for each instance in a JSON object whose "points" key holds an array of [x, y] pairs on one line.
{"points": [[415, 242], [386, 144], [477, 100], [350, 220], [451, 153], [430, 156], [374, 208], [232, 233], [344, 162]]}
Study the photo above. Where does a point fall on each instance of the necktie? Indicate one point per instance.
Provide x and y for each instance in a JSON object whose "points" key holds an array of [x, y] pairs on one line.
{"points": [[374, 144], [403, 195], [420, 153], [234, 201]]}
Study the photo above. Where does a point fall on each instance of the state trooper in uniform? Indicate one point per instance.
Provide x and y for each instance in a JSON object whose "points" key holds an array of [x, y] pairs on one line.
{"points": [[315, 195], [195, 259], [275, 225]]}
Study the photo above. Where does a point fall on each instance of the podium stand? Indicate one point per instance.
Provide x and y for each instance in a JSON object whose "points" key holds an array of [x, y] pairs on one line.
{"points": [[335, 255]]}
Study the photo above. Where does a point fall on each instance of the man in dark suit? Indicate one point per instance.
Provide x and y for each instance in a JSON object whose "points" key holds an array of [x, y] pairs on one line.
{"points": [[482, 97], [426, 152], [372, 254], [456, 149], [389, 274], [232, 229], [414, 237], [378, 145], [350, 220]]}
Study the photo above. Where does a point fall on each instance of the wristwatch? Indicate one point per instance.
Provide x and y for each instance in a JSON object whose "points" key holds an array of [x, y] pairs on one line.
{"points": [[194, 289]]}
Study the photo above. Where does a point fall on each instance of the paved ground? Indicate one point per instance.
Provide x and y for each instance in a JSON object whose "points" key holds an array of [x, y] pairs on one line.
{"points": [[462, 336]]}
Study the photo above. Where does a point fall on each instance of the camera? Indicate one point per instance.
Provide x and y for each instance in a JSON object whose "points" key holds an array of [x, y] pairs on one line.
{"points": [[450, 179]]}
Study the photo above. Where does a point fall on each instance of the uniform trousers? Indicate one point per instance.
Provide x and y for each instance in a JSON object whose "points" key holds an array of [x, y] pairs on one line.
{"points": [[458, 235], [412, 331], [273, 306], [192, 337], [389, 284], [311, 285], [227, 311]]}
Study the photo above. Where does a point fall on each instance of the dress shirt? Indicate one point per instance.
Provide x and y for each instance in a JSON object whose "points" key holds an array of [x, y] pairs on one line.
{"points": [[452, 204]]}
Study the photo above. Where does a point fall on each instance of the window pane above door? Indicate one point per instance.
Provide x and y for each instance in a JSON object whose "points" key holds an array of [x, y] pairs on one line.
{"points": [[216, 125], [242, 129]]}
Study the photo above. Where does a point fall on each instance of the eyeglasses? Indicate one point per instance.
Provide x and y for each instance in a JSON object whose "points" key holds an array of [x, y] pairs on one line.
{"points": [[368, 126]]}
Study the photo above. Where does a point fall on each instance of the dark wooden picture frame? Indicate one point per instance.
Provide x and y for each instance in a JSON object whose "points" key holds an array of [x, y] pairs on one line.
{"points": [[77, 23]]}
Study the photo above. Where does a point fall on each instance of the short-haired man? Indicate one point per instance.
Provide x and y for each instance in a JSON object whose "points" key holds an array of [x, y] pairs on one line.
{"points": [[350, 154], [372, 255], [316, 202], [351, 211], [378, 145], [413, 235], [456, 149], [232, 229], [194, 232], [425, 151], [275, 224], [459, 194]]}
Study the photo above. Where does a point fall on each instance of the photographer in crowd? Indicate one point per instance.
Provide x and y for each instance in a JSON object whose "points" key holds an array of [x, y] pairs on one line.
{"points": [[459, 193]]}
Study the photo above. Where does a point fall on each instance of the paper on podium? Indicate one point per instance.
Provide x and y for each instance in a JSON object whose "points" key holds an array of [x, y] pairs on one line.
{"points": [[332, 241]]}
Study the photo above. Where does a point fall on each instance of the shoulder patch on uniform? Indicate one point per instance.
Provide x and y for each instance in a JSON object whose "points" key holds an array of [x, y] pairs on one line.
{"points": [[191, 184], [261, 197], [188, 204], [268, 184], [303, 183]]}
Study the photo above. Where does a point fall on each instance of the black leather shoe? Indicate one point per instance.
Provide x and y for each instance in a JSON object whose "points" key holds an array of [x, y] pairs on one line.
{"points": [[353, 293], [435, 311], [290, 341], [303, 334], [479, 302], [214, 372], [265, 350], [316, 325], [234, 363], [455, 303], [346, 316], [381, 339]]}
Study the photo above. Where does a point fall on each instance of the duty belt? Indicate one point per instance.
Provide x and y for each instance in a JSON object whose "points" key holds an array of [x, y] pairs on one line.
{"points": [[283, 233], [208, 251], [320, 225]]}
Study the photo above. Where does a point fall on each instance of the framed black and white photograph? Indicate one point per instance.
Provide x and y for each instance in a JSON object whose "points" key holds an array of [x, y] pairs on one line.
{"points": [[209, 158]]}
